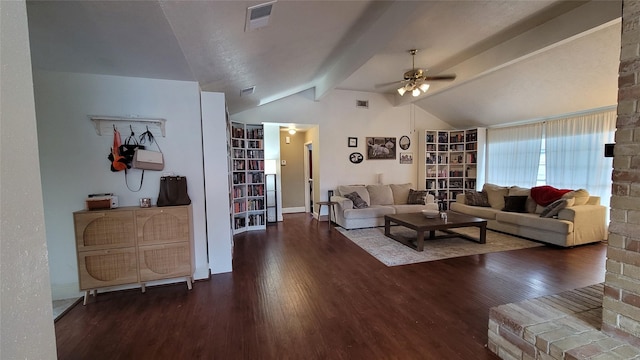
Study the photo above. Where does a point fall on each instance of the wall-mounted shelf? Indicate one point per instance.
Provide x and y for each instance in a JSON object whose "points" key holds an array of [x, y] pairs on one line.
{"points": [[104, 125]]}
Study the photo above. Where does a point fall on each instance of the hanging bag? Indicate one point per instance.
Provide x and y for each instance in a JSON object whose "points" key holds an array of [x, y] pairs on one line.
{"points": [[173, 191], [148, 159], [128, 149], [118, 162]]}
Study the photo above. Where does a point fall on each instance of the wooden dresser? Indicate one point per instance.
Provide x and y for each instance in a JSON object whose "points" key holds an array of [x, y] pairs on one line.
{"points": [[133, 245]]}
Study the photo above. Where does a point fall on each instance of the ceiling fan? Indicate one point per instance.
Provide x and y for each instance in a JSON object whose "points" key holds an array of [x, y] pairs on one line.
{"points": [[415, 81]]}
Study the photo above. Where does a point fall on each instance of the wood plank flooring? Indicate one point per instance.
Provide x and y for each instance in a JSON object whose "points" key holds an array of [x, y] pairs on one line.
{"points": [[300, 290]]}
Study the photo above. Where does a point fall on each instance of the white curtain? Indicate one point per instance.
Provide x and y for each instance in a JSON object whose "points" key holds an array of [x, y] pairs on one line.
{"points": [[575, 153], [513, 155]]}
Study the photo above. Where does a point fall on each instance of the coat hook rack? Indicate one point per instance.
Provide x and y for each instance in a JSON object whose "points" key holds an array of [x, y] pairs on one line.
{"points": [[105, 124]]}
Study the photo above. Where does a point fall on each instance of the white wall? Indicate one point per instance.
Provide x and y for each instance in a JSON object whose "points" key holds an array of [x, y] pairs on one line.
{"points": [[26, 316], [216, 165], [73, 158], [339, 118]]}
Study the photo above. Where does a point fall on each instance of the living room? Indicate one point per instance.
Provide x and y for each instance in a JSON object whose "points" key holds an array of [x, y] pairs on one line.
{"points": [[64, 100]]}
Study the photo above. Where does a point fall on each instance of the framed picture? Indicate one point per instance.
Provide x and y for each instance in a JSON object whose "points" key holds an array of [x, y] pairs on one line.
{"points": [[406, 158], [405, 142], [381, 148], [353, 142]]}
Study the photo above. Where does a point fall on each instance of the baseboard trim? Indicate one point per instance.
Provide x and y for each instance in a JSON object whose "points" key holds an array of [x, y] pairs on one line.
{"points": [[292, 210]]}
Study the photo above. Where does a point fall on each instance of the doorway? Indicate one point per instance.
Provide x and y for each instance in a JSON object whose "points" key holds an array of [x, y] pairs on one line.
{"points": [[308, 177]]}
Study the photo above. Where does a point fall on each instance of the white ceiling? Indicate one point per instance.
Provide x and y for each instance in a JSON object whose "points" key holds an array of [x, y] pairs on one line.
{"points": [[514, 60]]}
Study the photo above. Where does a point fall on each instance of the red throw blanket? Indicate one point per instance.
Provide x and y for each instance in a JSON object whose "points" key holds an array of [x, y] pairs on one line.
{"points": [[545, 195]]}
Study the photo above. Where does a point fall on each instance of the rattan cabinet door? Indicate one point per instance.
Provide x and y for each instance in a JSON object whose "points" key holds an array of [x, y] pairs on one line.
{"points": [[104, 268], [163, 225], [164, 261], [98, 230]]}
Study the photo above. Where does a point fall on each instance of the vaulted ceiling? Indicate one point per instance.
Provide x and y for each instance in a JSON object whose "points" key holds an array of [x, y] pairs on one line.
{"points": [[514, 60]]}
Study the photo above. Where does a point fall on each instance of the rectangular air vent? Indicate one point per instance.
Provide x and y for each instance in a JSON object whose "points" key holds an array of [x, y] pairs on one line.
{"points": [[247, 91], [362, 104], [258, 16]]}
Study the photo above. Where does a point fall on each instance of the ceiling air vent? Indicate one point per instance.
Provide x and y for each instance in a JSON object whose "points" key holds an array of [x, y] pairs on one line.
{"points": [[258, 16], [362, 104], [247, 91]]}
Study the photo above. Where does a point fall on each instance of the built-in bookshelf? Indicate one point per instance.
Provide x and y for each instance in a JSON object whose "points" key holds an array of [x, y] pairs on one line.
{"points": [[453, 162], [247, 177]]}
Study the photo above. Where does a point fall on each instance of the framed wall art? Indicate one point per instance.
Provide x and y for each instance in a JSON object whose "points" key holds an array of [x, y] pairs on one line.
{"points": [[353, 142], [404, 143], [406, 158], [381, 148]]}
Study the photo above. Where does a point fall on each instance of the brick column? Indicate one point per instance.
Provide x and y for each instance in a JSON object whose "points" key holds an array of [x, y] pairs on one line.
{"points": [[621, 302]]}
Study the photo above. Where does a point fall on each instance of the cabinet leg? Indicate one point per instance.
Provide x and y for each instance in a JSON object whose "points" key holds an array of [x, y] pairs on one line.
{"points": [[143, 288], [189, 283], [86, 296]]}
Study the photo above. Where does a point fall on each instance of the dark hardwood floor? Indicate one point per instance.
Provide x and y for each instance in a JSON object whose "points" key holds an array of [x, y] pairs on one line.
{"points": [[300, 290]]}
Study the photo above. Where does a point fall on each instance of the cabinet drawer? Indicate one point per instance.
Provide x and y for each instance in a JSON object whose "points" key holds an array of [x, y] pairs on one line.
{"points": [[104, 229], [103, 268], [165, 261], [163, 225]]}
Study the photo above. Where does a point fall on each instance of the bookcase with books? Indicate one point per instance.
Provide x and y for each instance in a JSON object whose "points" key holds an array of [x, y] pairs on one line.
{"points": [[247, 177], [452, 162]]}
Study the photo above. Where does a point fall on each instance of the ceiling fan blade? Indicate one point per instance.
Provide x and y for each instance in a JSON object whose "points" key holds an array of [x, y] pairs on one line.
{"points": [[389, 84], [440, 77]]}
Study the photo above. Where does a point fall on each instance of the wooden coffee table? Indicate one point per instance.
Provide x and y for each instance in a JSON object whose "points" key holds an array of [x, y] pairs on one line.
{"points": [[421, 224]]}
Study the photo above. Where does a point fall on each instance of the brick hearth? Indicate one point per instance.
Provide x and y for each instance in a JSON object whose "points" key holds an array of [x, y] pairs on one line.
{"points": [[562, 326]]}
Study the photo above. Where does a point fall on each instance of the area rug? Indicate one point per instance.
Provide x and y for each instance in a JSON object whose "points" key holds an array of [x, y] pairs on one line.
{"points": [[392, 253]]}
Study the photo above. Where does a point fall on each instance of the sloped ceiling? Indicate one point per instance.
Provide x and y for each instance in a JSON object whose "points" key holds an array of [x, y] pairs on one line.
{"points": [[514, 60]]}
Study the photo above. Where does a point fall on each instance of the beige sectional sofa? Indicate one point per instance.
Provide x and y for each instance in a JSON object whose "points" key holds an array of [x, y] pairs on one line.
{"points": [[381, 200], [573, 225]]}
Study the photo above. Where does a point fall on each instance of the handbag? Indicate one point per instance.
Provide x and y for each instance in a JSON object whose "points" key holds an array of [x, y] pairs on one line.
{"points": [[148, 159], [173, 191], [128, 149]]}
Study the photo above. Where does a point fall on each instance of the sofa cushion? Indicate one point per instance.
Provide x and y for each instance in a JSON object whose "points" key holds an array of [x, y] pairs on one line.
{"points": [[554, 208], [417, 197], [358, 202], [580, 196], [476, 198], [516, 203], [400, 193], [488, 213], [370, 212], [360, 189], [534, 221], [496, 194], [380, 194], [409, 208]]}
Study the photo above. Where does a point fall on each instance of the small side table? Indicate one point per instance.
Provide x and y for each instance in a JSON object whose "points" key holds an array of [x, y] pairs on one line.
{"points": [[330, 205]]}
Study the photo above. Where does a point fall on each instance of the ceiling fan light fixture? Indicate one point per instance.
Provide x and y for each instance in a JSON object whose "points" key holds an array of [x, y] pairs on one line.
{"points": [[415, 92], [401, 91], [424, 87]]}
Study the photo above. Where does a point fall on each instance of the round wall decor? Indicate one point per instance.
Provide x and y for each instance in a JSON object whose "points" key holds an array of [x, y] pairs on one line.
{"points": [[405, 142], [356, 157]]}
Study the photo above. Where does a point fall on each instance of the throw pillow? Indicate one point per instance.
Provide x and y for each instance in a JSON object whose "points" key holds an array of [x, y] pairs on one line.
{"points": [[476, 198], [360, 189], [400, 193], [581, 196], [530, 206], [358, 203], [417, 197], [554, 208], [515, 203], [380, 194], [496, 194]]}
